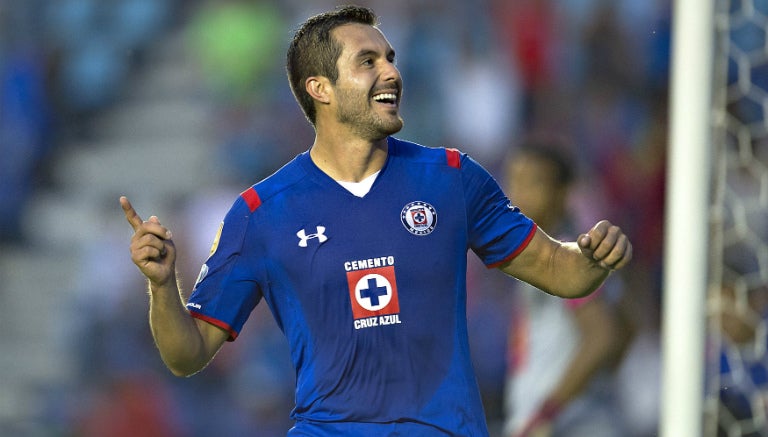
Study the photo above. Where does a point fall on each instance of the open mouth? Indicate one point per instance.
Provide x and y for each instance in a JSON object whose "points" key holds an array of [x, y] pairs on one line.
{"points": [[389, 98]]}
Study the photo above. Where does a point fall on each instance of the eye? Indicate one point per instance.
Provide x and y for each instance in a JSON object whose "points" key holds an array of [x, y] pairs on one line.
{"points": [[367, 62]]}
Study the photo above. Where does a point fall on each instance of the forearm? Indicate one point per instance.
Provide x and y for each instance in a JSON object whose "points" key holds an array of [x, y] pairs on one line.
{"points": [[591, 356], [175, 332], [571, 274], [600, 341], [572, 383], [558, 268], [185, 344]]}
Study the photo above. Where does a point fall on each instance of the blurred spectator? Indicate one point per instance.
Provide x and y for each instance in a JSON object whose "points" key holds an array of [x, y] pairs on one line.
{"points": [[528, 31], [490, 95], [237, 43], [25, 116], [430, 41], [135, 406], [612, 58], [94, 46], [561, 352], [25, 122]]}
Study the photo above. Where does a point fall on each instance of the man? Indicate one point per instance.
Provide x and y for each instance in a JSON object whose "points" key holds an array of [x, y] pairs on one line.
{"points": [[561, 350], [359, 247]]}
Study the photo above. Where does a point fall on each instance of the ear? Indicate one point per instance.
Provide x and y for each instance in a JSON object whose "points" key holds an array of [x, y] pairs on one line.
{"points": [[319, 88]]}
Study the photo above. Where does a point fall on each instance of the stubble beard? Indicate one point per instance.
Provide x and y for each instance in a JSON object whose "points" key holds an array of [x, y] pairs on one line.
{"points": [[363, 120]]}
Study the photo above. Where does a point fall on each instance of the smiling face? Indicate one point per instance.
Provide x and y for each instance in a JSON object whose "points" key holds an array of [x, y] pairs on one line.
{"points": [[368, 90]]}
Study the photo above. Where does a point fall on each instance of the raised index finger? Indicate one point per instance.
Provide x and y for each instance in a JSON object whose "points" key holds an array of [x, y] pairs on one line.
{"points": [[130, 214]]}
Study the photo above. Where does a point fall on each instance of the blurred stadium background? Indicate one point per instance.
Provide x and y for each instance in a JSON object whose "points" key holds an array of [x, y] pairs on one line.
{"points": [[182, 104]]}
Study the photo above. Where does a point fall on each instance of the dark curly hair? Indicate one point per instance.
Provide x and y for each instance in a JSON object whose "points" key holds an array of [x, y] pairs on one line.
{"points": [[313, 52]]}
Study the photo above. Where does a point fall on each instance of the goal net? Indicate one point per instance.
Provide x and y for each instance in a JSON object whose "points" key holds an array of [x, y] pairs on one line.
{"points": [[736, 371]]}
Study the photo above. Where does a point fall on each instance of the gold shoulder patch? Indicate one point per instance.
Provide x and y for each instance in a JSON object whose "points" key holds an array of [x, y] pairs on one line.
{"points": [[215, 244]]}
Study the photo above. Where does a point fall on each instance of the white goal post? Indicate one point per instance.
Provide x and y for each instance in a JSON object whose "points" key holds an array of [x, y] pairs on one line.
{"points": [[686, 223]]}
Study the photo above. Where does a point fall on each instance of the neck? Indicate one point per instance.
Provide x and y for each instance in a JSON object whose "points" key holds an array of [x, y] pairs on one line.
{"points": [[349, 159]]}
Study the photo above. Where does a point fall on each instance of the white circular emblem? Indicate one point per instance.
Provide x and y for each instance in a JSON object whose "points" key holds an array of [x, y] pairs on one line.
{"points": [[373, 292], [419, 218]]}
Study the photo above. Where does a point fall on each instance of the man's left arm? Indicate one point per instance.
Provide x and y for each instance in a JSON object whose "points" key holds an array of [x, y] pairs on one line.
{"points": [[571, 269]]}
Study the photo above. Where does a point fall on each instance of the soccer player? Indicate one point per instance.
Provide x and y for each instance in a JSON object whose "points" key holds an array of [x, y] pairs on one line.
{"points": [[562, 350], [358, 246]]}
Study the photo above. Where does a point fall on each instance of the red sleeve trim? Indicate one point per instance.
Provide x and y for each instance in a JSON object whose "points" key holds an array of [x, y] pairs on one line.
{"points": [[251, 198], [216, 322], [454, 158], [517, 251]]}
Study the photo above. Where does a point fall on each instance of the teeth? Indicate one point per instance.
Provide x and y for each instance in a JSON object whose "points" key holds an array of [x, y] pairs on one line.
{"points": [[385, 96]]}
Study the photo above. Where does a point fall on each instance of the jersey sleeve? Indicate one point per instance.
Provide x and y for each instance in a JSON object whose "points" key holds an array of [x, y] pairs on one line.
{"points": [[498, 231], [227, 289]]}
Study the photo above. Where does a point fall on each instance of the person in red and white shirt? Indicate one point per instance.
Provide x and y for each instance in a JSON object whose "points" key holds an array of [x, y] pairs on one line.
{"points": [[560, 350]]}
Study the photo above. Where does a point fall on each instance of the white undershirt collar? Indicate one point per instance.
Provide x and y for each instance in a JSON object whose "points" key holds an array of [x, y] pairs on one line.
{"points": [[361, 188]]}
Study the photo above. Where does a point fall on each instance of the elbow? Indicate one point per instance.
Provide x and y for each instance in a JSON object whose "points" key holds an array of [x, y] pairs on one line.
{"points": [[574, 285], [181, 373], [577, 291], [585, 287], [183, 369]]}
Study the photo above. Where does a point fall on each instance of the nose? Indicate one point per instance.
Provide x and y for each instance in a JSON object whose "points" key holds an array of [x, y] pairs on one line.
{"points": [[390, 72]]}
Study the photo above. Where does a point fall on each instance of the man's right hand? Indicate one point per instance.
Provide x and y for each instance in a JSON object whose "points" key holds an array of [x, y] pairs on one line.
{"points": [[152, 249]]}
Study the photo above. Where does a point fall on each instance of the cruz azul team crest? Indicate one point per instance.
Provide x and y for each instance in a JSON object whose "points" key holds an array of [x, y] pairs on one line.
{"points": [[419, 218], [373, 292]]}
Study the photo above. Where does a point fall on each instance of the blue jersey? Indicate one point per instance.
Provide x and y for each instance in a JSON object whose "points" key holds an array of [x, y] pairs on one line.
{"points": [[369, 291]]}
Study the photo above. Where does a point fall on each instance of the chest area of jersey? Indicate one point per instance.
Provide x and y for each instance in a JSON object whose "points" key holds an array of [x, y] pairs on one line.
{"points": [[372, 261], [351, 230]]}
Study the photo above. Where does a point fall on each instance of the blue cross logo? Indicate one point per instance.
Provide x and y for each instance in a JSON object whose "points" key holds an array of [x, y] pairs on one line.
{"points": [[373, 292], [420, 217]]}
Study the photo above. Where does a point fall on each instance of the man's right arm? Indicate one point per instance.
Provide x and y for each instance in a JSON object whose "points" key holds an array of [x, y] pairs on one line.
{"points": [[186, 344]]}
